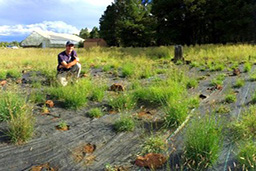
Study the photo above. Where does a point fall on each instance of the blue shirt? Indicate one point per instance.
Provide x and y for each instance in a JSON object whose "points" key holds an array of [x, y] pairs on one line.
{"points": [[63, 57]]}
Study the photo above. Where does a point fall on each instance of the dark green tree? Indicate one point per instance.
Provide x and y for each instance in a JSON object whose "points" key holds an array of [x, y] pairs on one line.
{"points": [[84, 33], [94, 33]]}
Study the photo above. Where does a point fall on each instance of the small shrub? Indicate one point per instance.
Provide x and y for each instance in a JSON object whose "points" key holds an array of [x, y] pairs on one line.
{"points": [[202, 143], [95, 113], [247, 156], [125, 123]]}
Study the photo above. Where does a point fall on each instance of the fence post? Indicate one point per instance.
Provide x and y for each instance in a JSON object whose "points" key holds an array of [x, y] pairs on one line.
{"points": [[178, 53]]}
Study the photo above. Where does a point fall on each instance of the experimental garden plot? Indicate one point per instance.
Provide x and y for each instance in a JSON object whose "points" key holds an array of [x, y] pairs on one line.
{"points": [[141, 111]]}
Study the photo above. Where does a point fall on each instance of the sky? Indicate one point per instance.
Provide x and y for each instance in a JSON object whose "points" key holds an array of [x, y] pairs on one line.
{"points": [[18, 18]]}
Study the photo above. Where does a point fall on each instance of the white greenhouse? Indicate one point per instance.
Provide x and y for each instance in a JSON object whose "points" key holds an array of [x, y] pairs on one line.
{"points": [[48, 39]]}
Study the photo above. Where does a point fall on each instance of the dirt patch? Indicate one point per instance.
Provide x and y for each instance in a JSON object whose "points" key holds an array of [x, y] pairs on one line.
{"points": [[151, 160], [43, 167], [83, 153]]}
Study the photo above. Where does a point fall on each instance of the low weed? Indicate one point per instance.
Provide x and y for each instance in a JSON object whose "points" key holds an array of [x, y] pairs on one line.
{"points": [[154, 144], [252, 76], [202, 143], [124, 123], [95, 113]]}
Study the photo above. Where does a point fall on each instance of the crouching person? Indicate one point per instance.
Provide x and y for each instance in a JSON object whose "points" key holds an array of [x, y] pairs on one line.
{"points": [[68, 67]]}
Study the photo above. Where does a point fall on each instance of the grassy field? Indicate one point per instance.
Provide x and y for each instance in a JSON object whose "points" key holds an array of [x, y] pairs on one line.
{"points": [[150, 80]]}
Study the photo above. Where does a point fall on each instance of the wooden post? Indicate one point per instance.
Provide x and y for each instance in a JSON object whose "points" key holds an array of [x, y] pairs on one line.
{"points": [[178, 53]]}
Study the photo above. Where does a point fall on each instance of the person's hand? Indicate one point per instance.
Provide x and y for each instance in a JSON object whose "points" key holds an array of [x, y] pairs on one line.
{"points": [[77, 59]]}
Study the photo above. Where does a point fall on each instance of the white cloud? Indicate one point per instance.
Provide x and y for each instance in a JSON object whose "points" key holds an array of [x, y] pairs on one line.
{"points": [[55, 26], [95, 3]]}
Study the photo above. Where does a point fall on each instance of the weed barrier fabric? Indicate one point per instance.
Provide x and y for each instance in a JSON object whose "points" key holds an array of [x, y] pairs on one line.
{"points": [[226, 158], [57, 147]]}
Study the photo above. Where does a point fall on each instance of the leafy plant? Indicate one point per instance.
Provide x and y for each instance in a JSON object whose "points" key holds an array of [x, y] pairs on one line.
{"points": [[247, 67], [154, 144]]}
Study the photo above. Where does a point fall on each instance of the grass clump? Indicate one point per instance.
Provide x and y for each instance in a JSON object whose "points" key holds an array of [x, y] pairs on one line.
{"points": [[95, 113], [97, 93], [73, 96], [247, 156], [11, 103], [128, 70], [247, 67], [20, 127], [3, 74], [202, 143], [154, 144], [125, 123], [20, 121], [223, 109], [192, 83], [246, 127], [122, 102], [13, 73], [175, 113], [218, 80], [230, 98], [239, 83], [37, 97]]}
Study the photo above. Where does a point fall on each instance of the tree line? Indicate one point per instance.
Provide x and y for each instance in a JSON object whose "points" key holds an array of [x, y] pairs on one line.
{"points": [[164, 22]]}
